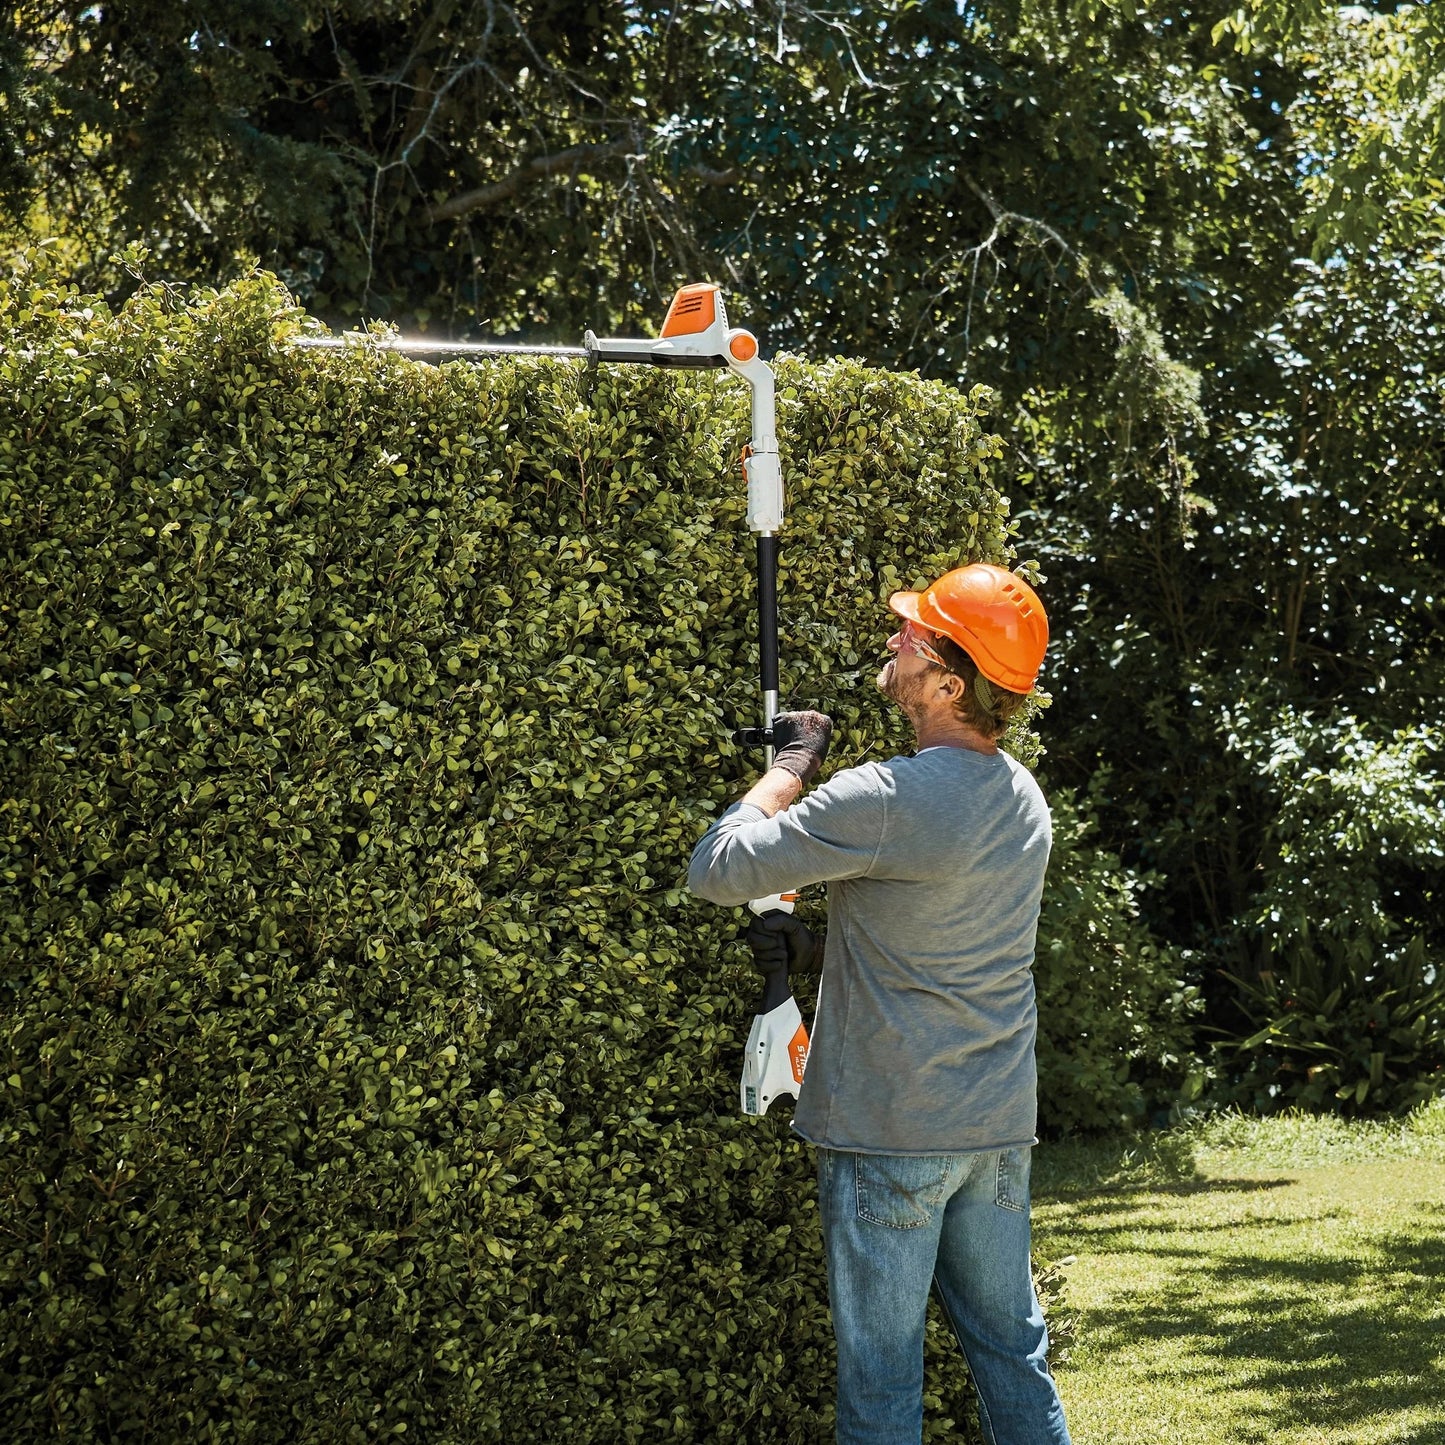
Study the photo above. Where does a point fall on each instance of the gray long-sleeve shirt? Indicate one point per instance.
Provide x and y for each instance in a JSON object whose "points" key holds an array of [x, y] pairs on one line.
{"points": [[924, 1037]]}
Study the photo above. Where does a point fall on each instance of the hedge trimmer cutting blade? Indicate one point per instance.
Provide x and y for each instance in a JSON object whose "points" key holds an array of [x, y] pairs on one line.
{"points": [[695, 334], [361, 340]]}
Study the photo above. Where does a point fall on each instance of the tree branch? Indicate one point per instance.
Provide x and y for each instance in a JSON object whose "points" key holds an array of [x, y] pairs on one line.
{"points": [[534, 169]]}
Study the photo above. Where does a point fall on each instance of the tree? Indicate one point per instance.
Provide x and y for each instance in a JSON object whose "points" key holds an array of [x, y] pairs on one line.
{"points": [[1397, 141], [1267, 639], [924, 184]]}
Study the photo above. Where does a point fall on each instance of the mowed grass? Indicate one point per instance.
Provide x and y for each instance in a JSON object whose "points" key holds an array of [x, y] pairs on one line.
{"points": [[1246, 1280]]}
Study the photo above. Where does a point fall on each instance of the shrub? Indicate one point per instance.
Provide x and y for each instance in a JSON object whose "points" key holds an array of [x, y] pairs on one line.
{"points": [[1342, 1003], [367, 1070], [1116, 1013]]}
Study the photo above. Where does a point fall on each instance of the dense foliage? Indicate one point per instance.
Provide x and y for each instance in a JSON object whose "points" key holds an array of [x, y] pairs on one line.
{"points": [[365, 1064], [1195, 251], [1258, 587], [919, 182], [1116, 1021]]}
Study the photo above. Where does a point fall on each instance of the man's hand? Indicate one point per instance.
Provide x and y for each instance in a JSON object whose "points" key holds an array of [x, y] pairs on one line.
{"points": [[780, 938], [800, 742]]}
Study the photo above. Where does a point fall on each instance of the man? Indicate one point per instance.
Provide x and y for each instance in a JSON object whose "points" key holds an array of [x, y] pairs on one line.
{"points": [[920, 1091]]}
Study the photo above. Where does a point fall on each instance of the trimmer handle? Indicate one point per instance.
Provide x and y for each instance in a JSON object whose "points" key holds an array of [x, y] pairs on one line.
{"points": [[777, 950], [784, 902], [753, 738], [777, 1049], [776, 988]]}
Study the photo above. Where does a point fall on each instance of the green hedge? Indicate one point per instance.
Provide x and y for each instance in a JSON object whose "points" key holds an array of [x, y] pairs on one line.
{"points": [[366, 1069]]}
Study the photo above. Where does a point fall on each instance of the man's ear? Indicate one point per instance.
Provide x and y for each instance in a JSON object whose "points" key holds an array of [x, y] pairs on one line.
{"points": [[952, 684]]}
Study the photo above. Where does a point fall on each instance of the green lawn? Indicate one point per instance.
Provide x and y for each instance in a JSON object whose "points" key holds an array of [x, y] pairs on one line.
{"points": [[1252, 1280]]}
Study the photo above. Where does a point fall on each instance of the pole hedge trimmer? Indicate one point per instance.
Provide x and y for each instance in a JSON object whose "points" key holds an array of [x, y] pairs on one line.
{"points": [[696, 335]]}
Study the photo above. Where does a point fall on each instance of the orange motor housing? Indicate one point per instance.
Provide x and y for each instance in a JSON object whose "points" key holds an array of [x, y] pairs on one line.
{"points": [[694, 308]]}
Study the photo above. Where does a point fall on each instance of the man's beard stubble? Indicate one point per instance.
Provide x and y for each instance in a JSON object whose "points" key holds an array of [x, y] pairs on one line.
{"points": [[906, 692]]}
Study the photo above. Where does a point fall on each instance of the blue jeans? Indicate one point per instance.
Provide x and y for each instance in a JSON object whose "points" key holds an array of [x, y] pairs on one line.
{"points": [[892, 1225]]}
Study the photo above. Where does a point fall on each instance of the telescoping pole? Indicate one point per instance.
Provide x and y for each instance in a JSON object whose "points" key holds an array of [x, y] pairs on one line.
{"points": [[768, 635]]}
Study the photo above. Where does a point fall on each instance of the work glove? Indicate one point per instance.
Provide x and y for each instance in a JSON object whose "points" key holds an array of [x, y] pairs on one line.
{"points": [[779, 939], [800, 740]]}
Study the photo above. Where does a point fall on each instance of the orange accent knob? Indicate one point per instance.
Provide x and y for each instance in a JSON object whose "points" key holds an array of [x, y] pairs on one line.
{"points": [[743, 347]]}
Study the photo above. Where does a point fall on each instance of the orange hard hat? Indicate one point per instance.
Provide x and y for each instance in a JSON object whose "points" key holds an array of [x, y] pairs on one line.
{"points": [[990, 612]]}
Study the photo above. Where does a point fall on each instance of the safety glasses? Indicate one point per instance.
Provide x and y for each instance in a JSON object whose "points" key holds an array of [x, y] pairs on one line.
{"points": [[917, 640]]}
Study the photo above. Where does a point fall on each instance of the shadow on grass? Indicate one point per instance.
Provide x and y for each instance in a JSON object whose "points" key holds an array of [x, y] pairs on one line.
{"points": [[1183, 1188], [1329, 1342]]}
